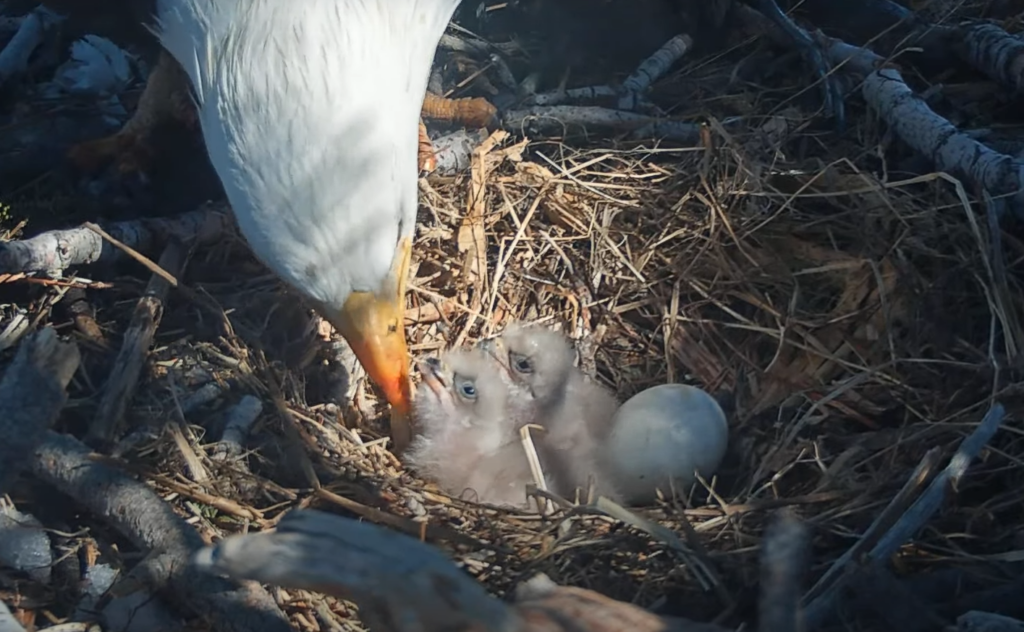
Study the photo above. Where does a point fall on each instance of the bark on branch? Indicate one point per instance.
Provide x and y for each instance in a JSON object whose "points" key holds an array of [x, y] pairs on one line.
{"points": [[32, 394], [925, 130], [403, 585], [138, 513], [57, 250]]}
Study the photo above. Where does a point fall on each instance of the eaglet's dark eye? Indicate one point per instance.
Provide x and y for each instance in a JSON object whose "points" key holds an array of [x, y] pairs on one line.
{"points": [[467, 389], [521, 363]]}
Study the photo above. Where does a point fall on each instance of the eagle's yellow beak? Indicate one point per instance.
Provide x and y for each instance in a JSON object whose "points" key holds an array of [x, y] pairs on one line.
{"points": [[373, 323]]}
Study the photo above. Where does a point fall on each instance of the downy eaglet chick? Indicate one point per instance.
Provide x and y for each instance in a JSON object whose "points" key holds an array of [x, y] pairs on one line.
{"points": [[466, 439], [547, 389]]}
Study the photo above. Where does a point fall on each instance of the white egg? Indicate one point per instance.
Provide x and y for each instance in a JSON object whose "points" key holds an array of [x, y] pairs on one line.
{"points": [[663, 434]]}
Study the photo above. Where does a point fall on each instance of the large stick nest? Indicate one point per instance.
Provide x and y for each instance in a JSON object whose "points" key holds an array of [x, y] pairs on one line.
{"points": [[845, 304]]}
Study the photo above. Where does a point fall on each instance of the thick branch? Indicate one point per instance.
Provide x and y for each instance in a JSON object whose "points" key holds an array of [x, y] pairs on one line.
{"points": [[399, 583], [924, 129], [136, 511], [31, 397], [556, 118], [56, 250], [14, 57], [403, 585], [995, 52]]}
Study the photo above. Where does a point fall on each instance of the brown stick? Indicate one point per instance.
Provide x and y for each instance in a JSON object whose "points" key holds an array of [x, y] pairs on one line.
{"points": [[32, 394], [134, 348], [135, 510]]}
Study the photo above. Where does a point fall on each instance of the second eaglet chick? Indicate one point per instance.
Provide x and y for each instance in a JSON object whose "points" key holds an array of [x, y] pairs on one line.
{"points": [[548, 390], [466, 442]]}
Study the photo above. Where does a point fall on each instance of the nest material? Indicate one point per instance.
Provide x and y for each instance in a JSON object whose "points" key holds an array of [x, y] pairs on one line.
{"points": [[850, 320]]}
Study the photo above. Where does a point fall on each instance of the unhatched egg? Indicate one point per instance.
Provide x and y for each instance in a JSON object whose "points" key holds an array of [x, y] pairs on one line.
{"points": [[663, 434]]}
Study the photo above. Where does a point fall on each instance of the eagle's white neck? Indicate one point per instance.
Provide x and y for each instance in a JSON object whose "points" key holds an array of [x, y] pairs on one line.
{"points": [[309, 109]]}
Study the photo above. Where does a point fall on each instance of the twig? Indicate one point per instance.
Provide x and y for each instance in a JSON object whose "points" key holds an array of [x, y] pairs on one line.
{"points": [[16, 328], [135, 510], [453, 152], [896, 507], [55, 251], [202, 396], [32, 395], [930, 501], [821, 609], [660, 533], [832, 96], [536, 469], [134, 349], [134, 254], [433, 532]]}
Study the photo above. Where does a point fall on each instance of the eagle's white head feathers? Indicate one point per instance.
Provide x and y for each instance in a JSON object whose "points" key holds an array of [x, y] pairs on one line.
{"points": [[309, 109]]}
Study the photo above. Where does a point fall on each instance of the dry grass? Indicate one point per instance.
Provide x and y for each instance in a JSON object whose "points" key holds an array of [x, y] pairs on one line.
{"points": [[856, 322]]}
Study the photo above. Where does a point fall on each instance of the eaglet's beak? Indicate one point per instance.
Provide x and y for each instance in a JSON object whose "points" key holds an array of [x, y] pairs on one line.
{"points": [[373, 323]]}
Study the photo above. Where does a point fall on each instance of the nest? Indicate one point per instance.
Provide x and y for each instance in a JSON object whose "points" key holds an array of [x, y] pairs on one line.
{"points": [[854, 317]]}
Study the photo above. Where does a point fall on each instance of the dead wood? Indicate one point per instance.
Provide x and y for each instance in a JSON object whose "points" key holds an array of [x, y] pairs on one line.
{"points": [[134, 348], [652, 69], [975, 621], [993, 51], [237, 423], [924, 129], [55, 251], [32, 395], [139, 514], [830, 281], [557, 119], [401, 584], [914, 517], [15, 55]]}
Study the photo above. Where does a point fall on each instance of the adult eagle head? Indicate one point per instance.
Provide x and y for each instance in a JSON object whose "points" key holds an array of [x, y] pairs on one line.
{"points": [[310, 111]]}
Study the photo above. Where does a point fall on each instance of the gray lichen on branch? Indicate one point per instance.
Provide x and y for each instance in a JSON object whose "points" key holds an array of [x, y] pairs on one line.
{"points": [[54, 251]]}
